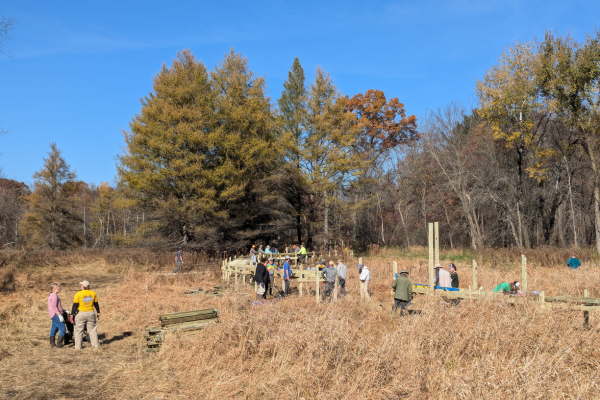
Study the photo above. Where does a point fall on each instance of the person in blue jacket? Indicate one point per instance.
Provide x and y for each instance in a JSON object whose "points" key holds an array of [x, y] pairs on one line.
{"points": [[573, 262]]}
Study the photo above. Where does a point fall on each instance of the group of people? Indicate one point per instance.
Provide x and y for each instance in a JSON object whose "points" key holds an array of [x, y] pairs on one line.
{"points": [[446, 279], [82, 316], [256, 254]]}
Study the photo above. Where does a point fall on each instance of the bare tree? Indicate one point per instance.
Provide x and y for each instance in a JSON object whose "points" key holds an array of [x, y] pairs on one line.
{"points": [[7, 24]]}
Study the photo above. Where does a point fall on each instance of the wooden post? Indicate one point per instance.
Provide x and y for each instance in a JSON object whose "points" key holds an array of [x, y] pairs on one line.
{"points": [[352, 254], [524, 273], [335, 253], [317, 285], [585, 293], [436, 238], [586, 318], [470, 294], [335, 285], [301, 279], [474, 274], [360, 284], [542, 299], [228, 272], [431, 274], [395, 269], [359, 260]]}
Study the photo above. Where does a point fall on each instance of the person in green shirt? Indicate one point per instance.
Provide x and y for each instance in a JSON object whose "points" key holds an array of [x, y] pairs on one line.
{"points": [[453, 275], [402, 291], [506, 287]]}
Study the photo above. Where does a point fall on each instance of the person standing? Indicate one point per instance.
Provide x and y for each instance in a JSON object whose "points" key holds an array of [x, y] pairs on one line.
{"points": [[287, 275], [271, 271], [402, 291], [253, 254], [573, 262], [365, 279], [83, 313], [178, 259], [302, 254], [329, 273], [342, 271], [55, 312], [453, 276], [261, 277], [443, 277]]}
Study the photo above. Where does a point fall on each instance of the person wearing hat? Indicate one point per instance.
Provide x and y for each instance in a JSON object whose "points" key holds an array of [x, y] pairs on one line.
{"points": [[83, 313], [253, 254], [287, 275], [365, 279], [453, 275], [442, 277], [403, 294], [178, 259], [342, 271], [322, 265], [271, 270]]}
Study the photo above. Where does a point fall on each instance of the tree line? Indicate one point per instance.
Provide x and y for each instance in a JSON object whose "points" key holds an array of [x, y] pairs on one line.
{"points": [[213, 164]]}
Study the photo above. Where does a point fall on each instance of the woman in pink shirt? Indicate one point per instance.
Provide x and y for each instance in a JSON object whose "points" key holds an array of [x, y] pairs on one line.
{"points": [[55, 312]]}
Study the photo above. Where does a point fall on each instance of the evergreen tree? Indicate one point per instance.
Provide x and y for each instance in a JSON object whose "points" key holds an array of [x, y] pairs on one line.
{"points": [[292, 108], [199, 151], [331, 161], [248, 152], [52, 221], [170, 156]]}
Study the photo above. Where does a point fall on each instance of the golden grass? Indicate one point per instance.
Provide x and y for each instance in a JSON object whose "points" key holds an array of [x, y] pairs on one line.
{"points": [[295, 349]]}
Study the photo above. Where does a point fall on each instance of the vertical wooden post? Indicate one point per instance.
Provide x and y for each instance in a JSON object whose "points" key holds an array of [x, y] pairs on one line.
{"points": [[335, 286], [436, 238], [542, 299], [317, 285], [228, 272], [352, 254], [431, 274], [301, 279], [335, 253], [395, 269], [586, 318], [470, 294], [585, 293], [524, 272], [474, 274], [359, 260]]}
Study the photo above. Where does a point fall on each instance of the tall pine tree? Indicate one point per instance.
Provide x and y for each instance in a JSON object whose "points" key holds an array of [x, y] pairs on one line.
{"points": [[52, 221]]}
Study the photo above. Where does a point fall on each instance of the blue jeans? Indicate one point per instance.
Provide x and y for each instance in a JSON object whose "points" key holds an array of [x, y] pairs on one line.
{"points": [[57, 326], [178, 266]]}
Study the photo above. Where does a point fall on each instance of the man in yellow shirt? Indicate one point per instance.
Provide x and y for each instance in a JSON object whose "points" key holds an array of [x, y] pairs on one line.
{"points": [[83, 310]]}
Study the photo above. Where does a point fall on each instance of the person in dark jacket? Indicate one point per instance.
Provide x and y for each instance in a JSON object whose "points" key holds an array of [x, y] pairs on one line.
{"points": [[402, 291], [453, 275], [261, 277]]}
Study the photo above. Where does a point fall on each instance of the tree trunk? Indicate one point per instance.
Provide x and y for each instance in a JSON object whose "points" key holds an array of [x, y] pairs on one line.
{"points": [[325, 219]]}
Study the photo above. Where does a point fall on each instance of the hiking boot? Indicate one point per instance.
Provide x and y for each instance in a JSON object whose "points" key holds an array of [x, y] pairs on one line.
{"points": [[52, 344], [59, 342]]}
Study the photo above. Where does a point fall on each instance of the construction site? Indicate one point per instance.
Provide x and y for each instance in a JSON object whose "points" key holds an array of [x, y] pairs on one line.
{"points": [[202, 334]]}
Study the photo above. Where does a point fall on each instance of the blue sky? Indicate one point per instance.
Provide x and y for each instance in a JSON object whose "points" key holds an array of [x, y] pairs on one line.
{"points": [[78, 69]]}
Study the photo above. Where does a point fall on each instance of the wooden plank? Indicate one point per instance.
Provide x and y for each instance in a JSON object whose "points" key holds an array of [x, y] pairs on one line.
{"points": [[188, 313], [431, 273], [524, 273], [436, 239], [474, 263]]}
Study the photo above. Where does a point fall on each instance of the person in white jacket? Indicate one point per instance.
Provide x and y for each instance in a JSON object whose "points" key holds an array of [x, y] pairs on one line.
{"points": [[365, 278], [443, 277]]}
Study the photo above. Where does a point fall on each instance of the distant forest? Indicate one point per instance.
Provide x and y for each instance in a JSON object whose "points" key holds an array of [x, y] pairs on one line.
{"points": [[213, 164]]}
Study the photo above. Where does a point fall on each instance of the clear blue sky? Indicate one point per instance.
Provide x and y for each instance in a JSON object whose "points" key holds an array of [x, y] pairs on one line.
{"points": [[79, 68]]}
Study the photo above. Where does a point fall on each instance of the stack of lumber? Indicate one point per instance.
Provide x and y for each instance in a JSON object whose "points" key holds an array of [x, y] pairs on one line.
{"points": [[185, 322]]}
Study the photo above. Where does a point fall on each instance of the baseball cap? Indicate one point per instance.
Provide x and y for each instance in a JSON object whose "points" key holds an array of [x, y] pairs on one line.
{"points": [[84, 283]]}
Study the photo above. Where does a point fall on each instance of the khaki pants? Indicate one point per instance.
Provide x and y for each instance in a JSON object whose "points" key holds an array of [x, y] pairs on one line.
{"points": [[364, 289], [81, 319]]}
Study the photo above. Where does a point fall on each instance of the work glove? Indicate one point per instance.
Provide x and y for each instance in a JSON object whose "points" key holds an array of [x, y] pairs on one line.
{"points": [[61, 319], [98, 316], [71, 319]]}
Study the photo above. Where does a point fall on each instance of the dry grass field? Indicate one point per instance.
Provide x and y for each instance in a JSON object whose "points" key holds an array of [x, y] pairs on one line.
{"points": [[297, 349]]}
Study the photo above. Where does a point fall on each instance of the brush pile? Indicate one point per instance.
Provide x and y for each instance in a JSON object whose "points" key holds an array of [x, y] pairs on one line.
{"points": [[181, 322]]}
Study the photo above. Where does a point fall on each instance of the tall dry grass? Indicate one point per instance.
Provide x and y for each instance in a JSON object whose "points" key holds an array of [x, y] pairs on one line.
{"points": [[295, 348]]}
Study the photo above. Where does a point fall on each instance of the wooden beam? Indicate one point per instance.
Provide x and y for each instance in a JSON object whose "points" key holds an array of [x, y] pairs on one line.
{"points": [[524, 273], [395, 270], [431, 274], [436, 238], [474, 263]]}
